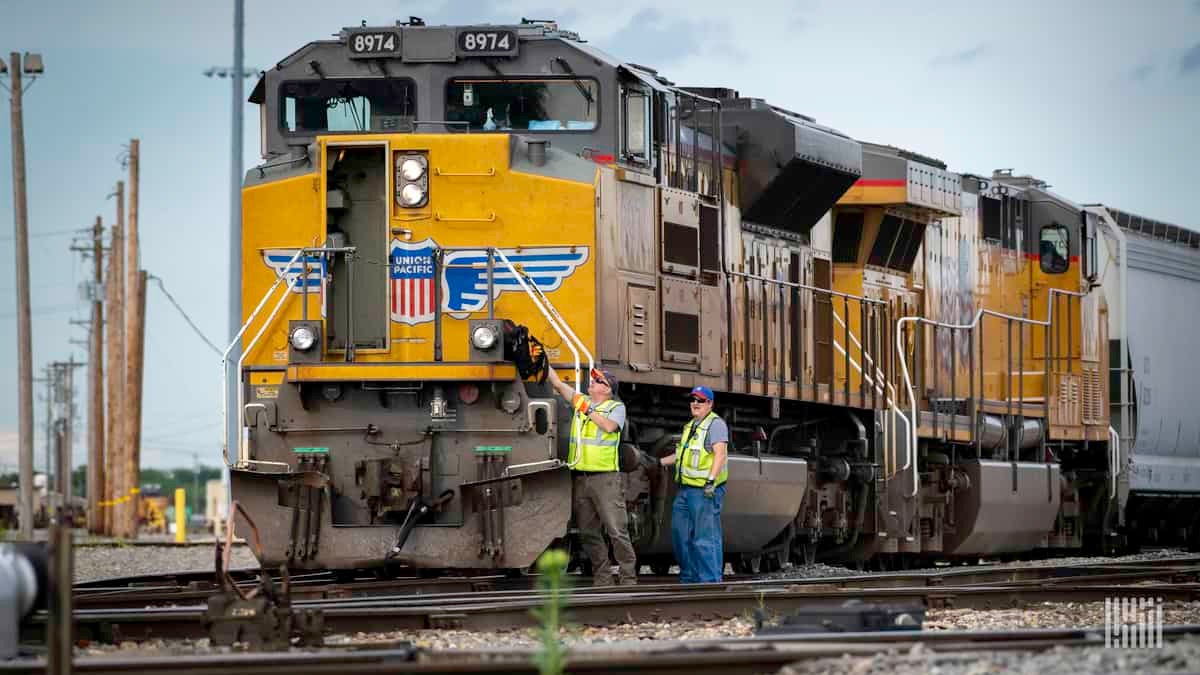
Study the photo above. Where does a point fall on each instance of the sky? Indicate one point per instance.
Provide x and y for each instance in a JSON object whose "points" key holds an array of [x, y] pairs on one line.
{"points": [[1099, 98]]}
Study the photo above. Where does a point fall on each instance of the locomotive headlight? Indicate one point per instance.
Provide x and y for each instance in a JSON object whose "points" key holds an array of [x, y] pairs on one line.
{"points": [[412, 169], [483, 337], [303, 338], [411, 195]]}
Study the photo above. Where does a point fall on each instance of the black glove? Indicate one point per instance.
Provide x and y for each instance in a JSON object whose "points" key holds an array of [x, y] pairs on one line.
{"points": [[648, 462]]}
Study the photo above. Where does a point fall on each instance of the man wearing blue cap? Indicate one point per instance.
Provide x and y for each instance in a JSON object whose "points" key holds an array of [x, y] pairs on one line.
{"points": [[700, 470]]}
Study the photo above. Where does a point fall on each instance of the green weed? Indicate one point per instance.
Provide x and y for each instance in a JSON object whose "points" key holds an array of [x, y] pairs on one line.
{"points": [[551, 660]]}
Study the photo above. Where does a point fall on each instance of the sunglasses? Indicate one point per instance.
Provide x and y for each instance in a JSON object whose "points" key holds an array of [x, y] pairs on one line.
{"points": [[599, 379], [697, 399]]}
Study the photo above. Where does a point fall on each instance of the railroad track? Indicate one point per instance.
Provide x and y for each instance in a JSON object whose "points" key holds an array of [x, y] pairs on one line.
{"points": [[196, 587], [694, 657], [481, 609]]}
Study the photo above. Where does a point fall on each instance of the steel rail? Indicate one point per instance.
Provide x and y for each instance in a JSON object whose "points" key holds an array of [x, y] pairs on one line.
{"points": [[720, 655], [319, 587], [429, 590], [511, 609]]}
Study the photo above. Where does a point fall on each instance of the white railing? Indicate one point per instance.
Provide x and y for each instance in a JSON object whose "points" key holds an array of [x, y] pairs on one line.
{"points": [[889, 395], [225, 360], [551, 315], [979, 315], [292, 279]]}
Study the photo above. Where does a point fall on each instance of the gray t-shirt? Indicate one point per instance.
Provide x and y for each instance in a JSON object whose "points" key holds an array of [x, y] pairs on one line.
{"points": [[617, 415], [718, 432]]}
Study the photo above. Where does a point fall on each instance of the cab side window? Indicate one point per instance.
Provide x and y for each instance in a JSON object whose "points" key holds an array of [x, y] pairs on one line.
{"points": [[1053, 249]]}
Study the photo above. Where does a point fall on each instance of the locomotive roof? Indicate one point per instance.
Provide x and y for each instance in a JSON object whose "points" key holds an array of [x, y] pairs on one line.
{"points": [[1157, 229]]}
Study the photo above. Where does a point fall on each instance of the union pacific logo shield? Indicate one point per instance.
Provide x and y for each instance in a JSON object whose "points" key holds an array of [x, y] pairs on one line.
{"points": [[411, 276], [464, 276]]}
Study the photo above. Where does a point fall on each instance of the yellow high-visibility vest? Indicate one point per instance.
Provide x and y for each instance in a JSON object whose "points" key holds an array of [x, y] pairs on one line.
{"points": [[599, 448], [692, 461]]}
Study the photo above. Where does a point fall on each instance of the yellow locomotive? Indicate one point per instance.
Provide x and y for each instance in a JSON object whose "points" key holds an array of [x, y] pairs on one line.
{"points": [[911, 361]]}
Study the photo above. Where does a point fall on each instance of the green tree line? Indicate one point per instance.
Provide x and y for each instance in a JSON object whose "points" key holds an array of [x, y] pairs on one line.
{"points": [[166, 480]]}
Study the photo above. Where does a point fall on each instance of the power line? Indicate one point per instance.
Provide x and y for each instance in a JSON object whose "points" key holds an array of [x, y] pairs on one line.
{"points": [[39, 235], [184, 314], [41, 311]]}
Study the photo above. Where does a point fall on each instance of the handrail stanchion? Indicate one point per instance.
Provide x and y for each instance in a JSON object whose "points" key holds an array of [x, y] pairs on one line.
{"points": [[1070, 336], [349, 352], [233, 343], [937, 370], [781, 312], [747, 309], [1114, 460], [1047, 375], [846, 352], [764, 312], [1008, 393], [435, 260], [974, 401], [982, 388], [862, 353], [491, 283], [1020, 389], [953, 381]]}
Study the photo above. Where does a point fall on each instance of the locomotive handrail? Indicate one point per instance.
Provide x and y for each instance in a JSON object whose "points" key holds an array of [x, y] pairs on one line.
{"points": [[489, 218], [225, 362], [437, 171], [551, 315], [975, 322], [1114, 460], [879, 381], [891, 398], [806, 287], [301, 278], [555, 320]]}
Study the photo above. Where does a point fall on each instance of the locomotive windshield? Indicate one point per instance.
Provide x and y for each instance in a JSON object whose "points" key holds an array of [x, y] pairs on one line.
{"points": [[346, 105], [531, 104]]}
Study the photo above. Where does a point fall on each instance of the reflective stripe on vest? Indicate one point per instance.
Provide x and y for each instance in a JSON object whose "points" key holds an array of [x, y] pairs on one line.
{"points": [[599, 449], [692, 461]]}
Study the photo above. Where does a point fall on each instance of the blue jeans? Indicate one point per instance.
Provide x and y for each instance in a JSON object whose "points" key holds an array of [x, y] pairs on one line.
{"points": [[696, 535]]}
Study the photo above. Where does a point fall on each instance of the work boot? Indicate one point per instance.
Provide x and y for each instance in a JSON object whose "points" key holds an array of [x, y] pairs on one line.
{"points": [[604, 580], [628, 581]]}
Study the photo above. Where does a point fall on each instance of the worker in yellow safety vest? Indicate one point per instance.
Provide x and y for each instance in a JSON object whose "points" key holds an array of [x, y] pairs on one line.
{"points": [[700, 472], [598, 498]]}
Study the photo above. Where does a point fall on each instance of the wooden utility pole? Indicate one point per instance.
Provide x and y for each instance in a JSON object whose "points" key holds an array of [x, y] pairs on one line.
{"points": [[114, 330], [135, 303], [24, 339], [95, 470]]}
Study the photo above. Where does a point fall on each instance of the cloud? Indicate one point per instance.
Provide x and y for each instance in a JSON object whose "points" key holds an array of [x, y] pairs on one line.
{"points": [[963, 57], [653, 40], [1190, 64], [1141, 73]]}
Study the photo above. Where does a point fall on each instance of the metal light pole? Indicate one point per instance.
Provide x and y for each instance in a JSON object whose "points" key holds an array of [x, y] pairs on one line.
{"points": [[236, 74], [32, 66]]}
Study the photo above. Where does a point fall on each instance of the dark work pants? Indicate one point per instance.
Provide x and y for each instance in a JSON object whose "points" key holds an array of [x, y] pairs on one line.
{"points": [[599, 501]]}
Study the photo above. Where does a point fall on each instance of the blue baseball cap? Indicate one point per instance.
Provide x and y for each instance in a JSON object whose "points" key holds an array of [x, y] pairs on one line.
{"points": [[702, 392]]}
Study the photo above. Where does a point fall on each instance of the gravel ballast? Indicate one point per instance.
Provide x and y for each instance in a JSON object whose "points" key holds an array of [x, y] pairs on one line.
{"points": [[106, 562], [1179, 656]]}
